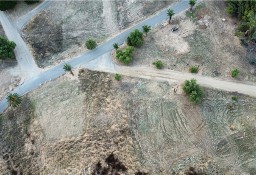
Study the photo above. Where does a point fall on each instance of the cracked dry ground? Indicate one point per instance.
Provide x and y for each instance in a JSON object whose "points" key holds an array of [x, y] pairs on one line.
{"points": [[82, 126]]}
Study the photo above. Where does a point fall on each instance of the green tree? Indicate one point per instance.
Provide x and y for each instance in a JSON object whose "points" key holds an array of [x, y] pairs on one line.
{"points": [[14, 99], [6, 48], [170, 13], [158, 64], [195, 92], [68, 68], [118, 77], [7, 5], [90, 44], [234, 73], [115, 46], [135, 38], [192, 4], [146, 29], [125, 55]]}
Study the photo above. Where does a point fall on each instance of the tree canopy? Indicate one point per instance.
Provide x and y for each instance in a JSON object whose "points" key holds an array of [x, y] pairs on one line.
{"points": [[7, 5], [194, 91], [135, 38], [125, 55], [6, 48]]}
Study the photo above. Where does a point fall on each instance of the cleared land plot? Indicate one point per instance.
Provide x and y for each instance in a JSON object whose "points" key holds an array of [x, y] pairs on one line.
{"points": [[60, 31], [71, 124], [205, 38]]}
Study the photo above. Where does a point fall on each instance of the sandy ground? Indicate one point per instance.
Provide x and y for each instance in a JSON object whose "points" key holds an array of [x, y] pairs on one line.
{"points": [[56, 33], [75, 123], [203, 39]]}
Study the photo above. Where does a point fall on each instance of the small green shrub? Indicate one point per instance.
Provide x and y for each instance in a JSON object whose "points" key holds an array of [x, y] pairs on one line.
{"points": [[193, 69], [234, 98], [90, 44], [125, 55], [135, 38], [194, 91], [234, 73], [158, 64], [6, 48], [118, 77]]}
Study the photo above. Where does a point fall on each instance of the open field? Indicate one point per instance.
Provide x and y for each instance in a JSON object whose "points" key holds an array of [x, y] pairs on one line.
{"points": [[60, 31], [68, 125], [205, 38]]}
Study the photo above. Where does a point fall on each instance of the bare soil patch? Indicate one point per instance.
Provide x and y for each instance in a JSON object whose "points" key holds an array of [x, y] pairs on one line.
{"points": [[60, 31], [205, 38], [146, 126]]}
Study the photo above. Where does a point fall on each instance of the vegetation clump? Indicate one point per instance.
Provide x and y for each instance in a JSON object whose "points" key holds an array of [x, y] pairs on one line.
{"points": [[118, 77], [146, 29], [90, 44], [14, 100], [6, 48], [125, 55], [194, 69], [116, 46], [135, 38], [246, 12], [170, 14], [31, 1], [68, 68], [234, 73], [7, 5], [158, 64], [192, 3], [194, 91]]}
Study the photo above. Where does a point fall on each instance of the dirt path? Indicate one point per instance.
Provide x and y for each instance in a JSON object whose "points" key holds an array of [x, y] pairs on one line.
{"points": [[169, 75], [26, 63]]}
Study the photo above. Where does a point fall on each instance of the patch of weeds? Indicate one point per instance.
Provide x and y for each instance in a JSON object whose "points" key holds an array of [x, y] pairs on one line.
{"points": [[234, 98], [118, 77], [158, 64], [235, 73], [192, 14], [194, 69]]}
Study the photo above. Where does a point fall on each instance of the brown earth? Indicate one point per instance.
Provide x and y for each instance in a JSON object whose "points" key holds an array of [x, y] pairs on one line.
{"points": [[69, 125], [205, 38], [60, 31]]}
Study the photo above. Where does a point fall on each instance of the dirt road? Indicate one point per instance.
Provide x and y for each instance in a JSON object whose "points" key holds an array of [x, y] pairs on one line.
{"points": [[26, 63]]}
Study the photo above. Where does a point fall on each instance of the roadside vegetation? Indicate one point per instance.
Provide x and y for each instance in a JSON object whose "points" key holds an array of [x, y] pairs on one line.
{"points": [[6, 48], [170, 14], [118, 77], [90, 44], [158, 64], [14, 100], [194, 69], [8, 5], [193, 90], [125, 55], [235, 73], [68, 68], [135, 38]]}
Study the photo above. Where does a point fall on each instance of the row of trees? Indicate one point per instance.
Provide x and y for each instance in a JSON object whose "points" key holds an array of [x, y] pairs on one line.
{"points": [[246, 12], [7, 5]]}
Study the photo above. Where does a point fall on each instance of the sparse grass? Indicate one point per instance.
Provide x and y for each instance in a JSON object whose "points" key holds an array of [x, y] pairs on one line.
{"points": [[194, 69], [118, 77], [158, 64]]}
